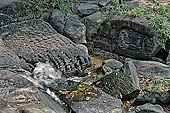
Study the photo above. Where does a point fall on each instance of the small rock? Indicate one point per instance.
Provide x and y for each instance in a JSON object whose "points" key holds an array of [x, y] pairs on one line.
{"points": [[104, 104], [104, 2], [168, 58], [111, 64], [69, 25], [117, 84], [149, 108], [151, 68], [154, 97], [87, 9]]}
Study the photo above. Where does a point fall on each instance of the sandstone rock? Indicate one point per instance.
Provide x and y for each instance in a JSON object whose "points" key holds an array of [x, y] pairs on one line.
{"points": [[19, 95], [109, 65], [5, 19], [58, 20], [22, 10], [87, 9], [92, 23], [168, 58], [104, 104], [151, 68], [69, 25], [149, 108], [8, 59], [129, 37], [35, 41], [154, 97], [117, 84], [129, 69], [104, 2]]}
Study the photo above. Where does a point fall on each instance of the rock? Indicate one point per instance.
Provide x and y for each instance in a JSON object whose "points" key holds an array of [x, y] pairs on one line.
{"points": [[58, 20], [8, 59], [104, 104], [35, 41], [45, 76], [151, 68], [168, 58], [104, 2], [129, 37], [5, 19], [111, 64], [129, 69], [121, 82], [154, 97], [117, 84], [19, 95], [22, 10], [49, 101], [92, 23], [69, 25], [87, 9], [149, 108]]}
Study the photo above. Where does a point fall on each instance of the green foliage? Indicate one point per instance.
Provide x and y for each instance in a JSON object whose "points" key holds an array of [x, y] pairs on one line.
{"points": [[160, 83], [61, 5], [158, 15], [39, 4]]}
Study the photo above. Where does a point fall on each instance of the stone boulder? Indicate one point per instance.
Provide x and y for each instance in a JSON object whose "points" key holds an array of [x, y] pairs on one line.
{"points": [[92, 23], [151, 68], [35, 41], [103, 104], [127, 36], [85, 9], [154, 97], [109, 65], [8, 59], [23, 10], [130, 70], [168, 58], [5, 19], [119, 80], [149, 108], [117, 84], [69, 25], [18, 95]]}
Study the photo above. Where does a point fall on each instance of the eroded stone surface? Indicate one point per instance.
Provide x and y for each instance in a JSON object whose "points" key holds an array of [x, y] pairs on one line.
{"points": [[104, 104], [117, 84], [69, 25], [129, 37], [8, 59], [35, 41], [111, 64], [19, 95], [151, 68], [154, 97], [149, 108]]}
